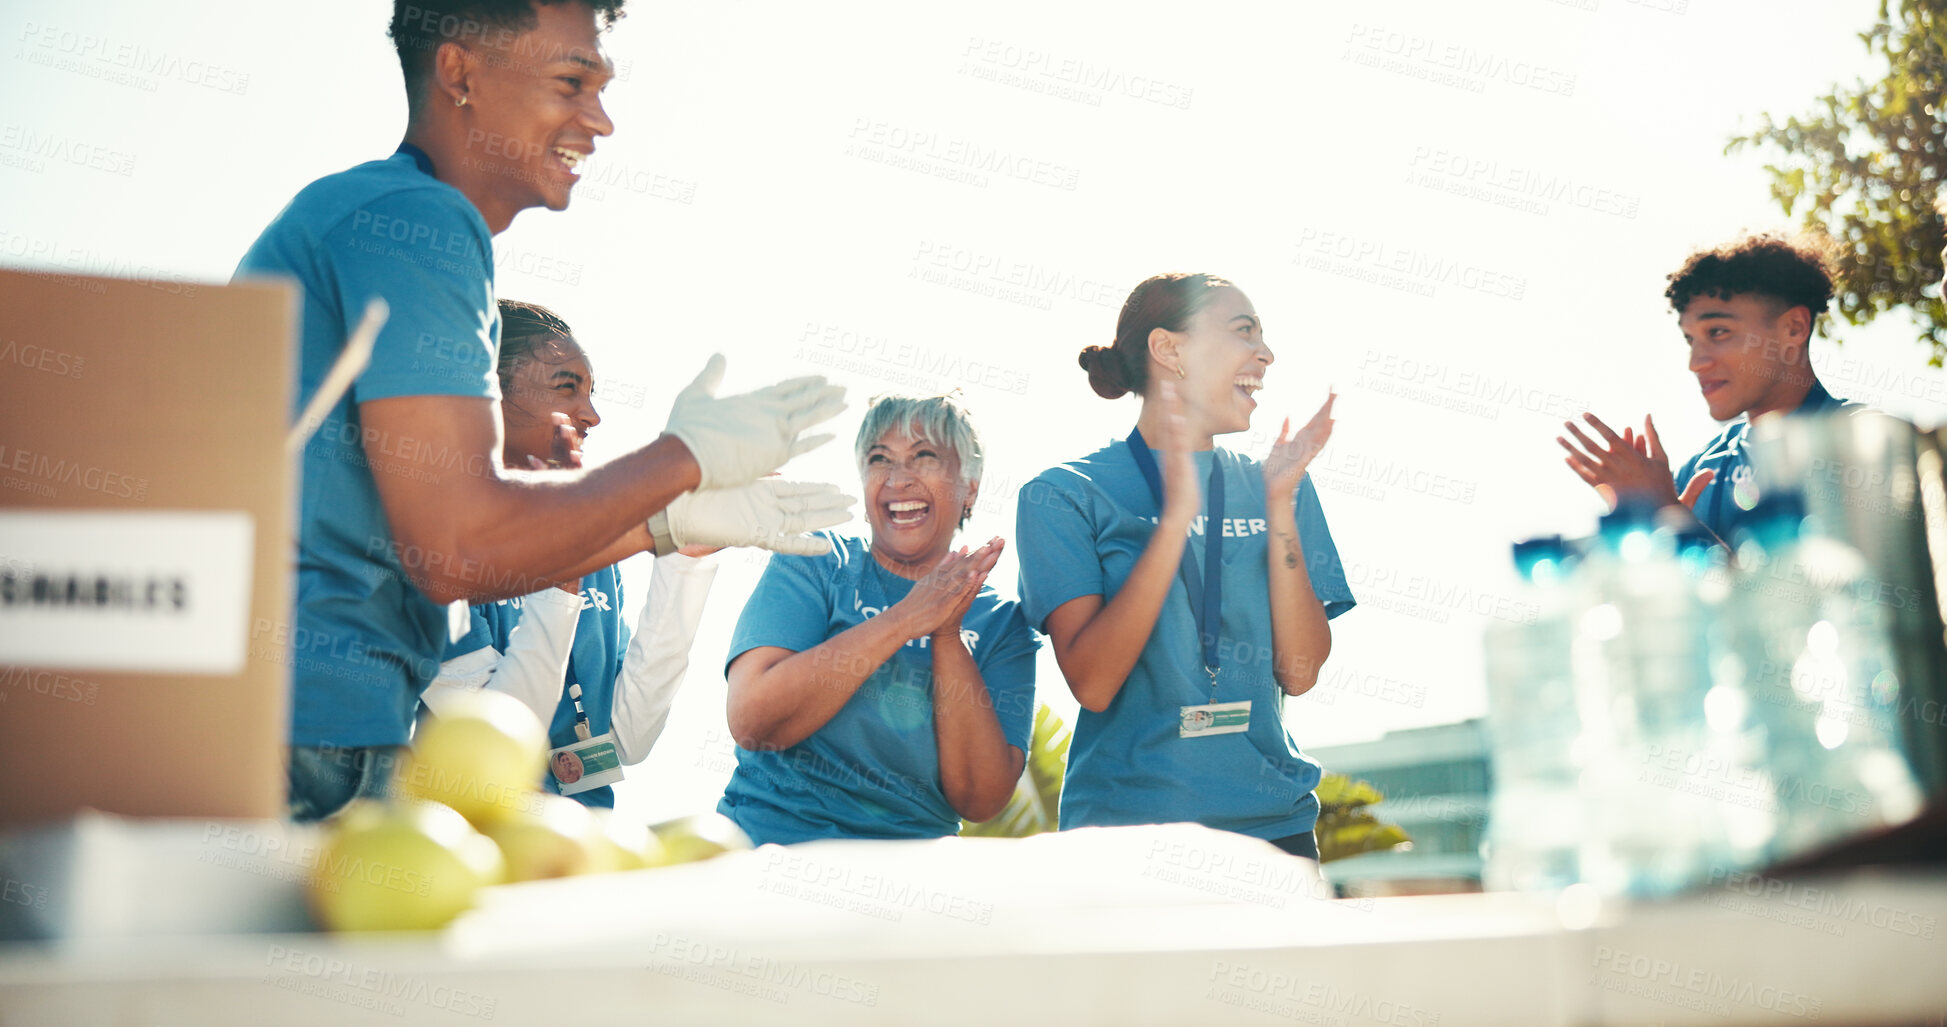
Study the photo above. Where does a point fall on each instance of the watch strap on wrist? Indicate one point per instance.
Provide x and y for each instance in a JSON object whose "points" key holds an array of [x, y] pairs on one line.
{"points": [[662, 540]]}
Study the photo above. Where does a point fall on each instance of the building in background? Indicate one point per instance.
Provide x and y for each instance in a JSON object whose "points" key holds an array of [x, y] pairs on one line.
{"points": [[1436, 783]]}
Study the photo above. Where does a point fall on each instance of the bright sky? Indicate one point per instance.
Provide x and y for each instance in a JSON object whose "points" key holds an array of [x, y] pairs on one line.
{"points": [[1460, 214]]}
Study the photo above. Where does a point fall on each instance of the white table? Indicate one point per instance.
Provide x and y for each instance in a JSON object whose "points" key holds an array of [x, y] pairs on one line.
{"points": [[1165, 925]]}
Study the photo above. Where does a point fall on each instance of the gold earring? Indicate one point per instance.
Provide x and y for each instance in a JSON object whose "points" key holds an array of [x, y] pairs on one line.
{"points": [[1179, 371], [461, 102]]}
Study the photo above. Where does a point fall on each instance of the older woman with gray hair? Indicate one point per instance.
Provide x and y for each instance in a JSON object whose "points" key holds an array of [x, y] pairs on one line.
{"points": [[882, 690]]}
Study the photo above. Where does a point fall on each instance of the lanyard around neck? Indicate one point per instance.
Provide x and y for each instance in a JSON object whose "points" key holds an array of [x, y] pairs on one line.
{"points": [[1206, 590]]}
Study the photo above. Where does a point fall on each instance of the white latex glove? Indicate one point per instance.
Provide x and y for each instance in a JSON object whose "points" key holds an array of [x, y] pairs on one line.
{"points": [[738, 439], [768, 513]]}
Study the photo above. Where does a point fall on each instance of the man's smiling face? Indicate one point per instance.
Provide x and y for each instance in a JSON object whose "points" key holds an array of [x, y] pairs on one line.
{"points": [[537, 107], [1747, 353]]}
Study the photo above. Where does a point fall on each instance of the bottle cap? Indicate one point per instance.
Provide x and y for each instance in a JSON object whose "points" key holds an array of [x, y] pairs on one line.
{"points": [[1532, 555]]}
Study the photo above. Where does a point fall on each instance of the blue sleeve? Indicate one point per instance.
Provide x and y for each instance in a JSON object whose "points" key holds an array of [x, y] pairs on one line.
{"points": [[428, 259], [1056, 541], [1008, 670], [479, 635], [1321, 553], [788, 608]]}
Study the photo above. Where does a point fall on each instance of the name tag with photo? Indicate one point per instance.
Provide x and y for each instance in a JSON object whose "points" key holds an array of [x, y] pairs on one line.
{"points": [[1222, 718], [584, 765]]}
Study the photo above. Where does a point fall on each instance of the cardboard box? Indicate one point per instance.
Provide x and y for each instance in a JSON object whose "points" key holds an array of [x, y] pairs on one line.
{"points": [[145, 547]]}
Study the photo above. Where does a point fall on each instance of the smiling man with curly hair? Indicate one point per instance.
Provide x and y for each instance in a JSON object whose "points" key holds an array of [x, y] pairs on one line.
{"points": [[1747, 310]]}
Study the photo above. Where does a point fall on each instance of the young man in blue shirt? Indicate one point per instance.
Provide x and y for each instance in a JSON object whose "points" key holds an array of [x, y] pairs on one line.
{"points": [[1747, 310], [405, 507]]}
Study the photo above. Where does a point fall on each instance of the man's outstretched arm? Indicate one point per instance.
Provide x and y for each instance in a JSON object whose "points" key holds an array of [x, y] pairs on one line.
{"points": [[467, 528]]}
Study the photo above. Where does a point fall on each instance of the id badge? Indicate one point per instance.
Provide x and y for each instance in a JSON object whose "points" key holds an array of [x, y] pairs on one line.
{"points": [[1218, 718], [584, 765]]}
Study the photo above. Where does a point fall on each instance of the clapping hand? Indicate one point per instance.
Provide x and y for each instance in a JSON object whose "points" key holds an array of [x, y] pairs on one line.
{"points": [[737, 439], [939, 600], [564, 447], [1285, 467], [769, 513], [1182, 495], [1628, 465]]}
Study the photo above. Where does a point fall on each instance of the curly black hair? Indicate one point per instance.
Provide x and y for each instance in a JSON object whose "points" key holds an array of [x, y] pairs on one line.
{"points": [[420, 26], [1794, 272]]}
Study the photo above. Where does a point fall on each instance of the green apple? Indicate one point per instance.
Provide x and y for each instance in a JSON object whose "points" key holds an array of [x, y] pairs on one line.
{"points": [[404, 866], [624, 843], [483, 755], [550, 837], [688, 839]]}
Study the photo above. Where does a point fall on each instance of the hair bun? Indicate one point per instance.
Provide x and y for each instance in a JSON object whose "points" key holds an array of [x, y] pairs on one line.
{"points": [[1104, 369]]}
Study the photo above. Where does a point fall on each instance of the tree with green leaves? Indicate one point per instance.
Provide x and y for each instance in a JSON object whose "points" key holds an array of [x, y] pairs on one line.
{"points": [[1865, 165]]}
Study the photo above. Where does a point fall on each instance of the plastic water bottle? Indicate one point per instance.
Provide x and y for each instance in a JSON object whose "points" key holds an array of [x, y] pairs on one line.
{"points": [[1642, 671], [1535, 824], [1814, 652]]}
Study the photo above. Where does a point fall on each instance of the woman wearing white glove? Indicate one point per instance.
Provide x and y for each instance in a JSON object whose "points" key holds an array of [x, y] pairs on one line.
{"points": [[536, 647], [880, 690]]}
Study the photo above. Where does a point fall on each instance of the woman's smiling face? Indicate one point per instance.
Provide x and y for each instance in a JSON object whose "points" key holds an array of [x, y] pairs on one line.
{"points": [[1223, 358], [556, 378], [914, 497]]}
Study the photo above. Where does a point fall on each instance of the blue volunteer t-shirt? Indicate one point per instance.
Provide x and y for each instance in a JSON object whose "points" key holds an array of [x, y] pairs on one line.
{"points": [[873, 770], [365, 641], [1725, 504], [594, 663], [1082, 526]]}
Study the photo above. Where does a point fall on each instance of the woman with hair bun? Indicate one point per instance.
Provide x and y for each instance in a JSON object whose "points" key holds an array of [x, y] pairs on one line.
{"points": [[1186, 589]]}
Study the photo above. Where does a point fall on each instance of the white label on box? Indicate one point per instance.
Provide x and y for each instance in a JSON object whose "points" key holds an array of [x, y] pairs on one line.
{"points": [[164, 591]]}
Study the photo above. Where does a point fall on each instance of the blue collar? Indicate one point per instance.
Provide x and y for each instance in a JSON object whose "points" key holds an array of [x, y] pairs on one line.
{"points": [[419, 158], [1818, 400], [1736, 440]]}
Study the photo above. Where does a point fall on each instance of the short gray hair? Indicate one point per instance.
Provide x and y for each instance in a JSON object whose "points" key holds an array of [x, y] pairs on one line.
{"points": [[941, 420]]}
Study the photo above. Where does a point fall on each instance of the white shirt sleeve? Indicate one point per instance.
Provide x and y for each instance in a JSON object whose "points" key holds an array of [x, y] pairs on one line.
{"points": [[659, 654], [534, 669]]}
